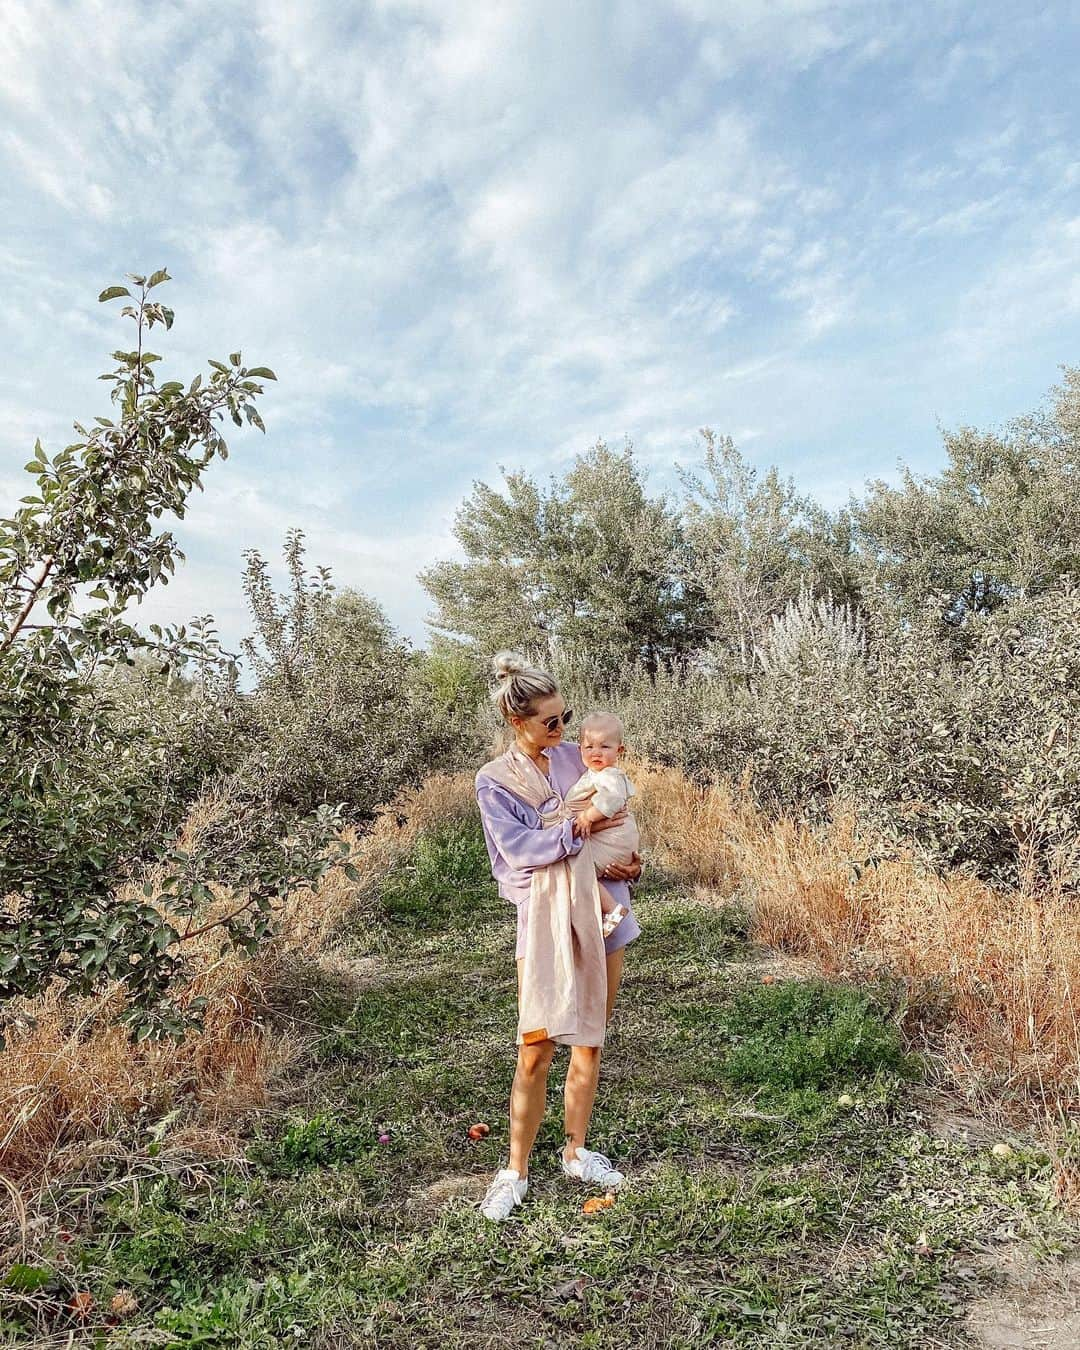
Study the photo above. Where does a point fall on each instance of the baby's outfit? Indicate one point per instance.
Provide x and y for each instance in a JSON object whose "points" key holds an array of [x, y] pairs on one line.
{"points": [[609, 790]]}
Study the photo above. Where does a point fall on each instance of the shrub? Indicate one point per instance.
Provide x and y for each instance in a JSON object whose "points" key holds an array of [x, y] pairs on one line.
{"points": [[445, 878], [344, 712]]}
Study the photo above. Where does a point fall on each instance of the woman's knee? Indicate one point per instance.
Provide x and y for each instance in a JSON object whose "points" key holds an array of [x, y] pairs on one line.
{"points": [[535, 1060], [584, 1055]]}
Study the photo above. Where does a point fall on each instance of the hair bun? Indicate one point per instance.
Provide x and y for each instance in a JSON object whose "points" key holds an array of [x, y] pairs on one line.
{"points": [[508, 664]]}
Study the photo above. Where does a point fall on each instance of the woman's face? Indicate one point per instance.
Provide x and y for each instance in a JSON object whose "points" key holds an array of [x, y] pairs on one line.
{"points": [[533, 731]]}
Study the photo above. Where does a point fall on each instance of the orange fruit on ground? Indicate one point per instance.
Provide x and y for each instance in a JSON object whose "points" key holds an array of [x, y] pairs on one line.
{"points": [[479, 1130], [596, 1203], [123, 1303], [81, 1304]]}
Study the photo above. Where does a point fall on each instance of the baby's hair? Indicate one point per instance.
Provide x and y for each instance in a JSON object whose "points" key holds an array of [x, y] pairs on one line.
{"points": [[602, 719], [519, 685]]}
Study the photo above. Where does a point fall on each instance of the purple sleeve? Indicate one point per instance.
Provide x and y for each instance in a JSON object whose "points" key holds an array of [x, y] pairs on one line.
{"points": [[515, 831]]}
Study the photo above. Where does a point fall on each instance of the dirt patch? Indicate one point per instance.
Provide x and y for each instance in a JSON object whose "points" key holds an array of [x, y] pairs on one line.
{"points": [[947, 1118], [463, 1186], [1037, 1307]]}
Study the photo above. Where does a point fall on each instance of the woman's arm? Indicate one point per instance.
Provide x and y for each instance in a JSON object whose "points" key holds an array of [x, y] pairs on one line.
{"points": [[521, 841]]}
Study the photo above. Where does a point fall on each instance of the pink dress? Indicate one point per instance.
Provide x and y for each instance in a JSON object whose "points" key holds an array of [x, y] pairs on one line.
{"points": [[517, 843]]}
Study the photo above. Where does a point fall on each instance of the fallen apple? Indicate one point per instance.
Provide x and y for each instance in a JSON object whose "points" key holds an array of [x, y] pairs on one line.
{"points": [[123, 1303], [596, 1203], [81, 1304], [479, 1130], [845, 1099], [1002, 1150]]}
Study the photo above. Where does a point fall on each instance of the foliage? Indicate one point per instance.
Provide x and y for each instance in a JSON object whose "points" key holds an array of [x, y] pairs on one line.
{"points": [[588, 565], [447, 876], [753, 547], [800, 1034], [1001, 521], [82, 794], [343, 711]]}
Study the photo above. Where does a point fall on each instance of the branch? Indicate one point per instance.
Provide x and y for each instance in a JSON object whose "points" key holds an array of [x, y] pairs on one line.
{"points": [[31, 601], [217, 923]]}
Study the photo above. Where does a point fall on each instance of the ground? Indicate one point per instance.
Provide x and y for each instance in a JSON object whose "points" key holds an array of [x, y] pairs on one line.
{"points": [[791, 1180]]}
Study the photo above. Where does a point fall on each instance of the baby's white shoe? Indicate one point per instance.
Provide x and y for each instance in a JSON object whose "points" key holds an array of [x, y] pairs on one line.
{"points": [[613, 918]]}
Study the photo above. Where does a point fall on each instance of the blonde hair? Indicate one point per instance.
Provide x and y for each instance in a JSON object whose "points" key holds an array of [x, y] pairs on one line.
{"points": [[598, 719], [519, 685]]}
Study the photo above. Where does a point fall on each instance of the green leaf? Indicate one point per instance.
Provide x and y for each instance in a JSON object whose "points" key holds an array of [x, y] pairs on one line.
{"points": [[262, 373], [159, 276], [25, 1279], [113, 293], [234, 357]]}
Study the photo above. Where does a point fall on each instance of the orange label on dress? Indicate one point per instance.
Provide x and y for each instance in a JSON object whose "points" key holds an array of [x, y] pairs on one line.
{"points": [[531, 1037]]}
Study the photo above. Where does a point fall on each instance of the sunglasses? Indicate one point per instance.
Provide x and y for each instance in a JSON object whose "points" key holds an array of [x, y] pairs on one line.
{"points": [[552, 722]]}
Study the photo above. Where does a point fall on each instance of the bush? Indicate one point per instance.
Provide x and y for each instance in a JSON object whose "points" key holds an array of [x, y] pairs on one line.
{"points": [[957, 744], [446, 877], [344, 712]]}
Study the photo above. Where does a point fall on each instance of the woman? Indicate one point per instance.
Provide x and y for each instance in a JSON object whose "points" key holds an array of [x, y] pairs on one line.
{"points": [[522, 838]]}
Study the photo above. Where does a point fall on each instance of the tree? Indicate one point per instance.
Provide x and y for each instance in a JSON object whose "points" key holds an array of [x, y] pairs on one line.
{"points": [[77, 789], [588, 565], [1002, 520], [754, 547], [335, 715]]}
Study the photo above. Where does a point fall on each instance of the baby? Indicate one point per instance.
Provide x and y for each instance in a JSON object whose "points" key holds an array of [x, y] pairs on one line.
{"points": [[604, 789]]}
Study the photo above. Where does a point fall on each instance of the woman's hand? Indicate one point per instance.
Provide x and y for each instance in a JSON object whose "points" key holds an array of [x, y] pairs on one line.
{"points": [[623, 871]]}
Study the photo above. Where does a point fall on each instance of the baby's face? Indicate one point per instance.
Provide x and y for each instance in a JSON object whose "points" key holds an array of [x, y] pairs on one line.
{"points": [[601, 747]]}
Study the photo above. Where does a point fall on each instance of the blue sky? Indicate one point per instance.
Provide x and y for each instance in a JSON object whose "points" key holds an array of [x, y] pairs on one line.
{"points": [[470, 235]]}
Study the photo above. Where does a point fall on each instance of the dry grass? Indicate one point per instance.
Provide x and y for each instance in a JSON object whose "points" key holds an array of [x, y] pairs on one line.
{"points": [[1000, 970], [70, 1078], [687, 828]]}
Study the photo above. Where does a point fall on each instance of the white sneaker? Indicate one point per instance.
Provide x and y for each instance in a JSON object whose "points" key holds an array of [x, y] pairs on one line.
{"points": [[593, 1168], [506, 1191]]}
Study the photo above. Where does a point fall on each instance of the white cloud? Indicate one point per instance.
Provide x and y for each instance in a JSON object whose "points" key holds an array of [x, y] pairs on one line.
{"points": [[466, 235]]}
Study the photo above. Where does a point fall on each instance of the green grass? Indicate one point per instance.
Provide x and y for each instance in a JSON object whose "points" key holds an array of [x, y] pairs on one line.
{"points": [[781, 1181]]}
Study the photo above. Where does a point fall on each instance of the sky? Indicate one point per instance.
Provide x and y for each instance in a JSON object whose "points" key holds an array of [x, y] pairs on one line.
{"points": [[470, 237]]}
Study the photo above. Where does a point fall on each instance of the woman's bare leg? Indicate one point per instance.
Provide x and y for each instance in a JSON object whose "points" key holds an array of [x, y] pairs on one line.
{"points": [[528, 1096], [583, 1073], [614, 977]]}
